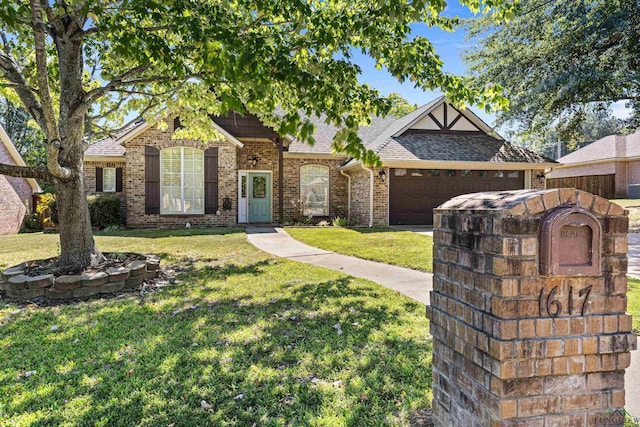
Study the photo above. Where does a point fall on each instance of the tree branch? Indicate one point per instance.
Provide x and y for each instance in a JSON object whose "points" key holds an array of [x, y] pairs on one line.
{"points": [[39, 172], [50, 129]]}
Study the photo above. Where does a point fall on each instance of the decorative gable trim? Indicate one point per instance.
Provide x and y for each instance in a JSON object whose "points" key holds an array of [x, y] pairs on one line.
{"points": [[443, 117]]}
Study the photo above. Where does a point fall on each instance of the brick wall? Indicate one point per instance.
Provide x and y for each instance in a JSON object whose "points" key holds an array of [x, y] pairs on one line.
{"points": [[337, 186], [15, 198], [513, 347], [360, 187], [535, 182], [380, 199], [134, 182], [360, 199]]}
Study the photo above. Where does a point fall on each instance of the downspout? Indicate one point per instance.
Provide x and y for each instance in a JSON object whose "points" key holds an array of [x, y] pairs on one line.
{"points": [[370, 194], [348, 195]]}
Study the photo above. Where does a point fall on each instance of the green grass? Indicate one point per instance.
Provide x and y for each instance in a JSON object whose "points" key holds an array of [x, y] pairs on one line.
{"points": [[626, 203], [387, 245], [264, 328], [633, 303]]}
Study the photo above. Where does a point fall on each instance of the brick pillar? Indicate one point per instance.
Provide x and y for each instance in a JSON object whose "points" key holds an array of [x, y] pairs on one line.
{"points": [[528, 309]]}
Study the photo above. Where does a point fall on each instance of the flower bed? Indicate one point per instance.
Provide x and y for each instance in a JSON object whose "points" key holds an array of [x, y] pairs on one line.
{"points": [[121, 271]]}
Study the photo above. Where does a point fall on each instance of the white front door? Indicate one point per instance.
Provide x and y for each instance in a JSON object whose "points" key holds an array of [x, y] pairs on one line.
{"points": [[242, 197]]}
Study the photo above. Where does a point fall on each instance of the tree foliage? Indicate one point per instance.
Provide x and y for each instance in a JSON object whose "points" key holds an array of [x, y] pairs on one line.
{"points": [[27, 138], [595, 123], [81, 68], [399, 105], [559, 61]]}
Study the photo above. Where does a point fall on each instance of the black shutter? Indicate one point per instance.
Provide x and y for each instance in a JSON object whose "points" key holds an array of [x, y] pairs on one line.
{"points": [[118, 180], [211, 180], [151, 180], [99, 184]]}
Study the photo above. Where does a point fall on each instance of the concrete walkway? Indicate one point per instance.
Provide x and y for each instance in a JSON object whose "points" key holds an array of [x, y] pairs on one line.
{"points": [[276, 241], [415, 284], [632, 375]]}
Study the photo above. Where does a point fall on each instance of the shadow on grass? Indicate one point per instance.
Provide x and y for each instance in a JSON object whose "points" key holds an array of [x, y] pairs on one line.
{"points": [[155, 234], [265, 353]]}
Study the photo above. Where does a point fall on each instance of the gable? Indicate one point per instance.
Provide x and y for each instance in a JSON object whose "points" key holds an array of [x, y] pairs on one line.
{"points": [[446, 118]]}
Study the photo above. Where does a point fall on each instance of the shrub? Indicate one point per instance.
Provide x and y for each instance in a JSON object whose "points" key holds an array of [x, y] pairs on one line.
{"points": [[323, 223], [339, 222], [104, 210], [53, 212], [32, 223]]}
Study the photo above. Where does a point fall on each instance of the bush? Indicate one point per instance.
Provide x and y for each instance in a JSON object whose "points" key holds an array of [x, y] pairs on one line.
{"points": [[104, 210], [339, 222], [53, 212], [32, 223], [323, 223]]}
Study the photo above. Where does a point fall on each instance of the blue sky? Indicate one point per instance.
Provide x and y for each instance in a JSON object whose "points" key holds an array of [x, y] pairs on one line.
{"points": [[449, 47]]}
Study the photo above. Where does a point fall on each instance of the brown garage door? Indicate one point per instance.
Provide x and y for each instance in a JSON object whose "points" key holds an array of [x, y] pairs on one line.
{"points": [[414, 193]]}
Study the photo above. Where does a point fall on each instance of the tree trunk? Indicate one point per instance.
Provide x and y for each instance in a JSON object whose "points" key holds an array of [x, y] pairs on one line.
{"points": [[77, 247]]}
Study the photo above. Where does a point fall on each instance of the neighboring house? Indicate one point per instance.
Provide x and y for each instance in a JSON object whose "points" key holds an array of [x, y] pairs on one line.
{"points": [[253, 175], [605, 167], [16, 194]]}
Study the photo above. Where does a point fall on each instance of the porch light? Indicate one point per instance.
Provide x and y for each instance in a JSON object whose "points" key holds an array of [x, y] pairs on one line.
{"points": [[382, 175], [253, 161], [540, 177]]}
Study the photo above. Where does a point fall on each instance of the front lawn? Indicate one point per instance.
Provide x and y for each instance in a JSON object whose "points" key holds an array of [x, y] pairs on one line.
{"points": [[403, 248], [256, 338]]}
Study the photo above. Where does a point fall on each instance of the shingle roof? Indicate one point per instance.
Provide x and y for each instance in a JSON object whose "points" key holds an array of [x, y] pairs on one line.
{"points": [[456, 147], [109, 146], [324, 134], [609, 147]]}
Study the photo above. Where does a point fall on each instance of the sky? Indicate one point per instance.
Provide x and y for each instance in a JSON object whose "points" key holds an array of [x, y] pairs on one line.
{"points": [[449, 47]]}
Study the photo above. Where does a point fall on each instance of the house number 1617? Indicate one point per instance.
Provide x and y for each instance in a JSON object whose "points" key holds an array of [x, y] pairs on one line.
{"points": [[553, 307]]}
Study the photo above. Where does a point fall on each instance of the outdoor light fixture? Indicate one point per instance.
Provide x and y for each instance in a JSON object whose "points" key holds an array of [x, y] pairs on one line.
{"points": [[540, 177], [253, 161], [382, 175]]}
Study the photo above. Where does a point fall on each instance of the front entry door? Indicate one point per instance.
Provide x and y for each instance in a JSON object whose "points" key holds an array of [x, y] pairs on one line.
{"points": [[259, 197]]}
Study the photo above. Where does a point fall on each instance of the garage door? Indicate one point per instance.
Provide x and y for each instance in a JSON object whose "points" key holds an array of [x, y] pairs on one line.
{"points": [[414, 193]]}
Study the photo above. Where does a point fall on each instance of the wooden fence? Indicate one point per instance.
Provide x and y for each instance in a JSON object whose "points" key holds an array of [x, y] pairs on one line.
{"points": [[602, 185]]}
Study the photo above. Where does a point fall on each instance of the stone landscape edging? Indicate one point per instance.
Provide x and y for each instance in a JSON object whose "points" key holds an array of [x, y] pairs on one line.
{"points": [[18, 285]]}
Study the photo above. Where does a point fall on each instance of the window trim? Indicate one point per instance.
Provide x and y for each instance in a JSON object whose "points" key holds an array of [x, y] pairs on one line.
{"points": [[163, 211], [327, 170], [106, 189]]}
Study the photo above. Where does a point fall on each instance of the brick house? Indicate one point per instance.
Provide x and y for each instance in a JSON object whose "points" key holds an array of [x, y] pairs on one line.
{"points": [[605, 167], [253, 175], [15, 193]]}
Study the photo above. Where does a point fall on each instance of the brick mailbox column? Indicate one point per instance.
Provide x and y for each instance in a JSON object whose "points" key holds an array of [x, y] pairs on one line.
{"points": [[528, 309]]}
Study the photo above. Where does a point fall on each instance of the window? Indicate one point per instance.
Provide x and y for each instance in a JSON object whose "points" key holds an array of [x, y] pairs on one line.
{"points": [[466, 172], [513, 174], [400, 172], [181, 181], [416, 172], [109, 180], [314, 189], [483, 173], [434, 172], [451, 172], [498, 174]]}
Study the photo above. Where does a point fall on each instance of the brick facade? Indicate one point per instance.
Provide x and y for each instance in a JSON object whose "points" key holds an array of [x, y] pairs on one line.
{"points": [[513, 346], [360, 190], [134, 183], [337, 186], [15, 197]]}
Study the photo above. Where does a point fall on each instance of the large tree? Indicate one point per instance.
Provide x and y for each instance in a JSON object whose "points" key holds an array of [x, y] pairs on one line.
{"points": [[80, 67], [559, 61]]}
